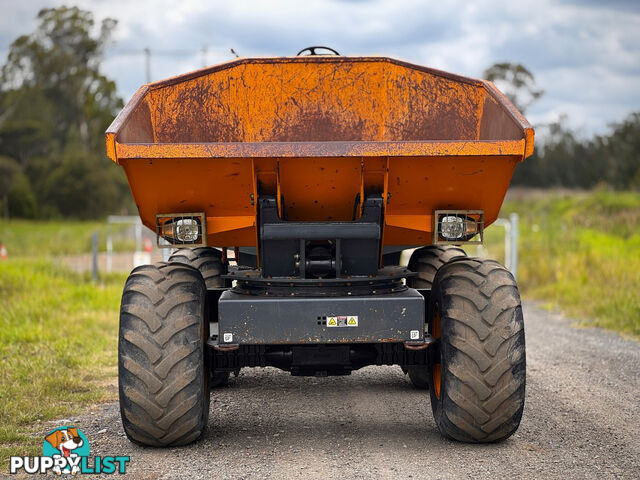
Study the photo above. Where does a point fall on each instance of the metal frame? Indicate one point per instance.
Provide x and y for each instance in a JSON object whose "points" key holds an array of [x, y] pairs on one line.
{"points": [[180, 216], [467, 213], [276, 320], [283, 244], [317, 359]]}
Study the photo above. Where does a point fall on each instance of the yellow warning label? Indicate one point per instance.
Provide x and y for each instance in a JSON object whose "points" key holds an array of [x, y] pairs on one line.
{"points": [[343, 321]]}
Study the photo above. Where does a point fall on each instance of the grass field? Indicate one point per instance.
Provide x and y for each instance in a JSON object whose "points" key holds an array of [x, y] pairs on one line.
{"points": [[37, 239], [58, 341], [580, 253]]}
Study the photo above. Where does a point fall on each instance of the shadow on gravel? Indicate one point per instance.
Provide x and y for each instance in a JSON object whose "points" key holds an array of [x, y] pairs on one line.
{"points": [[269, 380], [363, 407]]}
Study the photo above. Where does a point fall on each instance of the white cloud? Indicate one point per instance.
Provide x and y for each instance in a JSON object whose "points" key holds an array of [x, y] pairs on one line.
{"points": [[584, 53]]}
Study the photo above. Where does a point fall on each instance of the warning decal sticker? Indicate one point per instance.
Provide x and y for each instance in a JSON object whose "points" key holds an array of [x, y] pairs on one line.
{"points": [[343, 321]]}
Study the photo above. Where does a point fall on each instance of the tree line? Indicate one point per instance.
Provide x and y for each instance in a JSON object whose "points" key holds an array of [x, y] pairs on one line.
{"points": [[55, 104], [564, 159]]}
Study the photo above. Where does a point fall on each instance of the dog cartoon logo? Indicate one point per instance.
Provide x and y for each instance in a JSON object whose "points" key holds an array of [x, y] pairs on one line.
{"points": [[67, 442]]}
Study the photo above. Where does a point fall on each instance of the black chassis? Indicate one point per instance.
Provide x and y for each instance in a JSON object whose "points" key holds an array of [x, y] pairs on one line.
{"points": [[319, 305]]}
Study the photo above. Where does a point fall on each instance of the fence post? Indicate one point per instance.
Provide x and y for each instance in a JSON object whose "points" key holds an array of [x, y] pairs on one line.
{"points": [[139, 237], [94, 249], [109, 248], [513, 219]]}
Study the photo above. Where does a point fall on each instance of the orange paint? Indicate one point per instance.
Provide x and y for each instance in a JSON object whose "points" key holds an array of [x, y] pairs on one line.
{"points": [[319, 131]]}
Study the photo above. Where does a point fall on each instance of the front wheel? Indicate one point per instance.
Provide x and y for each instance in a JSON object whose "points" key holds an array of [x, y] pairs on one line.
{"points": [[164, 398], [477, 381]]}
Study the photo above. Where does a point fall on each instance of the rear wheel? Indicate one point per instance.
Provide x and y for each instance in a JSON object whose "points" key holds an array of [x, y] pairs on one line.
{"points": [[208, 261], [426, 262], [164, 398], [477, 381]]}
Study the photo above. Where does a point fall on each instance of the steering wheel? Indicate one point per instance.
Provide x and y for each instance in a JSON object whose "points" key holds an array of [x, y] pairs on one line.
{"points": [[312, 51]]}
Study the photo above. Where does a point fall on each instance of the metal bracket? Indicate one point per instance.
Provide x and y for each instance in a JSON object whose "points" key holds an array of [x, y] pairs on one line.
{"points": [[222, 348], [419, 345], [355, 244]]}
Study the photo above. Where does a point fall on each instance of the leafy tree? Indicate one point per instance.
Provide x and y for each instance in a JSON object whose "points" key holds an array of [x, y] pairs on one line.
{"points": [[564, 159], [55, 105], [516, 82], [561, 157], [76, 185], [621, 153], [59, 63], [8, 170]]}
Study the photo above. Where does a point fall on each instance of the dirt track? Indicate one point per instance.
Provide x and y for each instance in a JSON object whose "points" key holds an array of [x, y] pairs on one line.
{"points": [[581, 420]]}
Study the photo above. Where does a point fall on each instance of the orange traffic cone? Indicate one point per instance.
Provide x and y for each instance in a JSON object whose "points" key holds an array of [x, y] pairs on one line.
{"points": [[3, 252], [147, 245]]}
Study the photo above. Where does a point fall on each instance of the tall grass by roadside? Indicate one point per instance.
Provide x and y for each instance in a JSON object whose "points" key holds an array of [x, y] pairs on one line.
{"points": [[58, 343], [579, 252], [51, 238]]}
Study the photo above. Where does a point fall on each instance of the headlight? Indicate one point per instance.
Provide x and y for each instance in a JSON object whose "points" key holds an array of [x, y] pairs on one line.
{"points": [[452, 227], [181, 229], [187, 230], [458, 226]]}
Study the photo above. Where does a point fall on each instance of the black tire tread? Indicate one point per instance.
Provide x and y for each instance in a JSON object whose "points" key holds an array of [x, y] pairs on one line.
{"points": [[419, 377], [207, 260], [482, 348], [209, 263], [426, 261], [218, 379], [164, 400]]}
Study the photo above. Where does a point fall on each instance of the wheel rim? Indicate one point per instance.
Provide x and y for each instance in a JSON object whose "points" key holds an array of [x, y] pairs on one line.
{"points": [[436, 369]]}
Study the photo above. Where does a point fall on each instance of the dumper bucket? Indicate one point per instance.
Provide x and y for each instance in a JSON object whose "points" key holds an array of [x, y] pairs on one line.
{"points": [[320, 133]]}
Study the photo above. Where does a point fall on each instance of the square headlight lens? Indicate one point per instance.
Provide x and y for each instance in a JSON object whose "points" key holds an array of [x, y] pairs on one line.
{"points": [[187, 230], [452, 227], [457, 227]]}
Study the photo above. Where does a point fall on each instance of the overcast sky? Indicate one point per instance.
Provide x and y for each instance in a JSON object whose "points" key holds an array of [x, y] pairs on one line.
{"points": [[585, 54]]}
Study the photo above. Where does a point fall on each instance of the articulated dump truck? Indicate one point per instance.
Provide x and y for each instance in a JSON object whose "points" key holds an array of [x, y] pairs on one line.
{"points": [[288, 189]]}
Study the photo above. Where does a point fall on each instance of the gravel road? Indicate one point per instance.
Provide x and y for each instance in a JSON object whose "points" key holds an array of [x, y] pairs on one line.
{"points": [[581, 420]]}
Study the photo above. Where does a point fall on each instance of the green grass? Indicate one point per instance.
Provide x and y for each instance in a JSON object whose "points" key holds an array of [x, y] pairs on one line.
{"points": [[580, 253], [58, 344], [29, 238]]}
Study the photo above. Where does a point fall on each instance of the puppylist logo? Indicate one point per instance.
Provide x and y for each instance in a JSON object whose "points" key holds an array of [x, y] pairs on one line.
{"points": [[66, 450]]}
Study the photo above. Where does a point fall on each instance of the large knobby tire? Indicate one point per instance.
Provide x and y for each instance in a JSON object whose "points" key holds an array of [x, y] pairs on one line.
{"points": [[208, 261], [426, 261], [477, 385], [164, 397]]}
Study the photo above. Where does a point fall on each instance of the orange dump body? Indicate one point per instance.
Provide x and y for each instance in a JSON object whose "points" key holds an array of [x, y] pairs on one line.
{"points": [[316, 132]]}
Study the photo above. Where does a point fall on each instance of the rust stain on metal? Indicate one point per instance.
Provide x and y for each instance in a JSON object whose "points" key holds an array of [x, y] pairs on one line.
{"points": [[318, 131]]}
